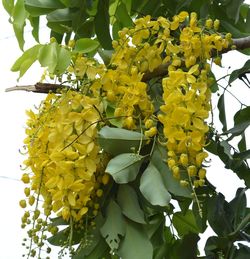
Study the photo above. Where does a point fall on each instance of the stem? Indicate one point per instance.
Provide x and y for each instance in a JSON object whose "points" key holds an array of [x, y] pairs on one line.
{"points": [[225, 89], [195, 196], [91, 124]]}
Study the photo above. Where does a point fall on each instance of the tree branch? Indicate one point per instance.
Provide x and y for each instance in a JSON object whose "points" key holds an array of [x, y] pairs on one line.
{"points": [[38, 88], [241, 44]]}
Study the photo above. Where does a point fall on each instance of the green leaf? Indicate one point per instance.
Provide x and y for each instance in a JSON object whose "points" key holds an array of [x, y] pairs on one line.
{"points": [[60, 15], [241, 122], [242, 116], [226, 147], [86, 45], [242, 145], [53, 4], [128, 201], [128, 4], [185, 223], [34, 21], [152, 187], [40, 7], [96, 247], [236, 73], [243, 252], [102, 250], [172, 185], [136, 243], [55, 57], [8, 6], [122, 16], [19, 17], [222, 113], [60, 27], [215, 244], [102, 24], [186, 248], [110, 109], [238, 206], [243, 155], [48, 56], [233, 9], [58, 221], [219, 215], [113, 226], [124, 167], [106, 57], [23, 63], [63, 60], [62, 237], [227, 26], [117, 141]]}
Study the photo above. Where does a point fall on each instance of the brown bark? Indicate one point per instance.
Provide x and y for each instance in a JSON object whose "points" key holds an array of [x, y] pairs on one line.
{"points": [[241, 44]]}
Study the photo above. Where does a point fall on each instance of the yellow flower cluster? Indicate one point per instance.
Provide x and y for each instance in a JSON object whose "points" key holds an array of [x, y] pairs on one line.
{"points": [[64, 155], [186, 94], [187, 105], [127, 94]]}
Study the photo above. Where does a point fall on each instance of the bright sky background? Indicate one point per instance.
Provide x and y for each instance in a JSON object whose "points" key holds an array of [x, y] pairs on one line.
{"points": [[12, 115]]}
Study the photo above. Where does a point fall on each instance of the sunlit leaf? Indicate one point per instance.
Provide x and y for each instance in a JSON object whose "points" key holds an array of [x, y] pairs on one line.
{"points": [[117, 141], [24, 62], [172, 185], [152, 187], [86, 45], [48, 56], [35, 22], [8, 6], [19, 21], [124, 167]]}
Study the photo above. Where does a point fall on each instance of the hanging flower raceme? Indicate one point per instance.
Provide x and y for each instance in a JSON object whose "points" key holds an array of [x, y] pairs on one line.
{"points": [[186, 94], [67, 167]]}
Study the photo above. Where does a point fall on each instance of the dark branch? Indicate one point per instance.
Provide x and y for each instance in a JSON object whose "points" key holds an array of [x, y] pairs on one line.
{"points": [[38, 88]]}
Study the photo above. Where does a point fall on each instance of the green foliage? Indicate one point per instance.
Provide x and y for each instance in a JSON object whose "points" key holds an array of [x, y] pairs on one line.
{"points": [[116, 141], [124, 167], [185, 223], [156, 196], [86, 45], [114, 226], [139, 197], [135, 237], [129, 203], [23, 63], [54, 57]]}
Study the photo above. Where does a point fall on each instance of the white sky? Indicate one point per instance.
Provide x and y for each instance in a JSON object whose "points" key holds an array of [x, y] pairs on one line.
{"points": [[12, 115]]}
